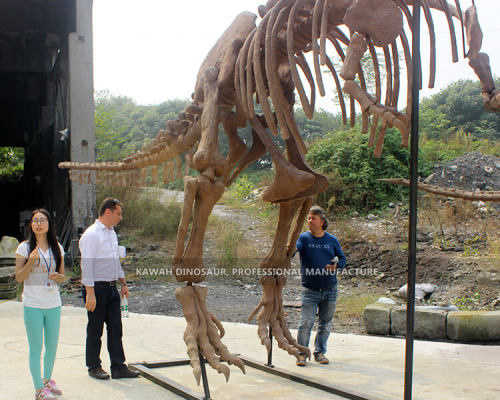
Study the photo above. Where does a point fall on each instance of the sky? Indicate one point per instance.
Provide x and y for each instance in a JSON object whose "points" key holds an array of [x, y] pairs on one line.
{"points": [[151, 50]]}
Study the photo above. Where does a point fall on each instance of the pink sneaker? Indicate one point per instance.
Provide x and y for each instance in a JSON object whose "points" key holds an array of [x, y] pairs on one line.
{"points": [[51, 385], [44, 394]]}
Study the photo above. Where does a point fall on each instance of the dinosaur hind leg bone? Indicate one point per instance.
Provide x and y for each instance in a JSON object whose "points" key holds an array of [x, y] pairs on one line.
{"points": [[200, 197], [270, 309], [203, 331]]}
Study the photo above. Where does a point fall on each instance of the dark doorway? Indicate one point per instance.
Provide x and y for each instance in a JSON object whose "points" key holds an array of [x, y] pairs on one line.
{"points": [[34, 104]]}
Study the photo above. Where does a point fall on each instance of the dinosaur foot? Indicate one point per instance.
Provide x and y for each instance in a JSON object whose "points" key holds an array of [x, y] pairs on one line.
{"points": [[270, 314], [203, 333]]}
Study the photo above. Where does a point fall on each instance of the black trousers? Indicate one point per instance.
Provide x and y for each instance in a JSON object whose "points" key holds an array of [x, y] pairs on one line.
{"points": [[107, 311]]}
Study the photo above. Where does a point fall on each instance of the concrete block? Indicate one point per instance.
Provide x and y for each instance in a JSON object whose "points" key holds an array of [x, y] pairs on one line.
{"points": [[473, 326], [377, 318], [429, 323]]}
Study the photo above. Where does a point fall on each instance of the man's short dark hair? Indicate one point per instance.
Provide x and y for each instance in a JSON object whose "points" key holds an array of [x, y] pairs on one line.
{"points": [[317, 210], [108, 203]]}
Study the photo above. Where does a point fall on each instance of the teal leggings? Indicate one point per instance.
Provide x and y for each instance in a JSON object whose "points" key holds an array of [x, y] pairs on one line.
{"points": [[42, 324]]}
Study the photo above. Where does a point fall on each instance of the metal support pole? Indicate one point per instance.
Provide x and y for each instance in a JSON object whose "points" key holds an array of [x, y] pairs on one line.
{"points": [[204, 378], [270, 352], [412, 234]]}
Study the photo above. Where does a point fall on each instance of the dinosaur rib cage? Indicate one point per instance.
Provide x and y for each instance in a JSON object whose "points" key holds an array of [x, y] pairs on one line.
{"points": [[289, 28]]}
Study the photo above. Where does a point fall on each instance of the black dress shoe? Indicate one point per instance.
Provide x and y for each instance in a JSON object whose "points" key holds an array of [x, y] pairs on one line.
{"points": [[123, 372], [98, 373]]}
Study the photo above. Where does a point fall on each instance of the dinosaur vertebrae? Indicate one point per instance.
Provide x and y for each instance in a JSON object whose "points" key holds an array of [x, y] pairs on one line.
{"points": [[164, 151], [203, 333], [109, 175]]}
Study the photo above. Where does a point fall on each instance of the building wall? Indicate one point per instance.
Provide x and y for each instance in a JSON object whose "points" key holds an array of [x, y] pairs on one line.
{"points": [[82, 124], [34, 108]]}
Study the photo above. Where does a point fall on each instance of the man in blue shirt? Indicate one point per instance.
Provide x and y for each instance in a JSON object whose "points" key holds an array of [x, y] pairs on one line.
{"points": [[320, 258]]}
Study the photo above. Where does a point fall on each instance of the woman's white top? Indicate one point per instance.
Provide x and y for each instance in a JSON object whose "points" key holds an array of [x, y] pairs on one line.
{"points": [[40, 291]]}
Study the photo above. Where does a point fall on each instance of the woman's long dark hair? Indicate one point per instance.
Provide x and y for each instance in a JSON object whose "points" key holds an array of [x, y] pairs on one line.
{"points": [[51, 237]]}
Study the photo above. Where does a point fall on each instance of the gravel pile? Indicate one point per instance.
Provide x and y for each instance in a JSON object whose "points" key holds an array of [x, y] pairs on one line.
{"points": [[472, 171]]}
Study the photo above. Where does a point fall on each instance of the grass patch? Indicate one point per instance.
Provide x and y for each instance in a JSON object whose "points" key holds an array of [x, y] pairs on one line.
{"points": [[162, 220], [494, 247], [158, 266], [352, 306], [228, 237], [146, 211], [346, 231], [227, 246], [232, 249], [468, 302]]}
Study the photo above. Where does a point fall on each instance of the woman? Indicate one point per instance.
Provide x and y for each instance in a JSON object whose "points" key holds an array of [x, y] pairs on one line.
{"points": [[40, 265]]}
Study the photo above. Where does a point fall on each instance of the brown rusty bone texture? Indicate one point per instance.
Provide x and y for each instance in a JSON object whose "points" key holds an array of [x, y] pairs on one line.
{"points": [[264, 64], [478, 195]]}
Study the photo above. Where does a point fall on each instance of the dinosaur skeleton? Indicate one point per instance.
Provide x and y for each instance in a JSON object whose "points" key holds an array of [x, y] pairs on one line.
{"points": [[262, 64]]}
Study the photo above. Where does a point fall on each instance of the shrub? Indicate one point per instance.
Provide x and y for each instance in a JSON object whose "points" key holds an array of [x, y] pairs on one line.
{"points": [[352, 170], [242, 187], [162, 220]]}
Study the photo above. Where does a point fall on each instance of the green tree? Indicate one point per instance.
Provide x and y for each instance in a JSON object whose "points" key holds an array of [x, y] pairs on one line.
{"points": [[11, 162], [458, 107], [123, 127]]}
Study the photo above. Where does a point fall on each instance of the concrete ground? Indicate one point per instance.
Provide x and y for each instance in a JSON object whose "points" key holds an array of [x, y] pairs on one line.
{"points": [[366, 364]]}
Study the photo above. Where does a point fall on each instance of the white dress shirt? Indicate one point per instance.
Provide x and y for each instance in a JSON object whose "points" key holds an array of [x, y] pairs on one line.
{"points": [[100, 255]]}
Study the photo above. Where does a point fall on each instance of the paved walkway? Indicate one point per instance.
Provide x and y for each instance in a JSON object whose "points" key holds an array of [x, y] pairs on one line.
{"points": [[372, 365]]}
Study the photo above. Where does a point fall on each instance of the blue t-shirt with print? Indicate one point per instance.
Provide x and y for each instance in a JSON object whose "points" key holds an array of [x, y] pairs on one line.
{"points": [[315, 254]]}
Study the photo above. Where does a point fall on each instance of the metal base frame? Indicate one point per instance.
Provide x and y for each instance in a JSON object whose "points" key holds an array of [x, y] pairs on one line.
{"points": [[145, 369]]}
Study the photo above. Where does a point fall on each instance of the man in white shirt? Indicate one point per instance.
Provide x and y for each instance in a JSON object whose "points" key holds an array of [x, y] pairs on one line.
{"points": [[101, 269]]}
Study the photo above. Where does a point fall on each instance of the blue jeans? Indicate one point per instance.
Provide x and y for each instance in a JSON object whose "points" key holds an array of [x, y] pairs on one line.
{"points": [[322, 302]]}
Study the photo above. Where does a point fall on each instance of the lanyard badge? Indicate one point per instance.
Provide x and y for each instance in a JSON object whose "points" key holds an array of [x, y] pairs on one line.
{"points": [[47, 265]]}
